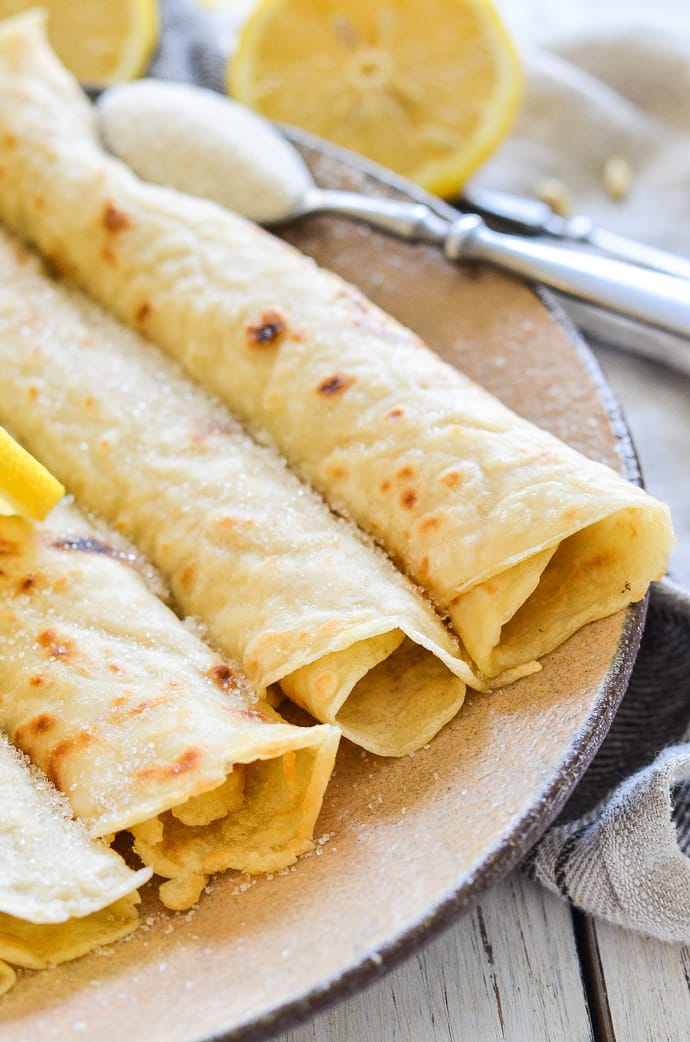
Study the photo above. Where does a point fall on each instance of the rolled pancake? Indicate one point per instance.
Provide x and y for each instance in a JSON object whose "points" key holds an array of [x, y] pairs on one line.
{"points": [[283, 585], [7, 978], [520, 539], [61, 893], [138, 722]]}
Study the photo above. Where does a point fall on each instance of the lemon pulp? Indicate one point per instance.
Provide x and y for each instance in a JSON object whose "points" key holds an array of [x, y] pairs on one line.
{"points": [[426, 90]]}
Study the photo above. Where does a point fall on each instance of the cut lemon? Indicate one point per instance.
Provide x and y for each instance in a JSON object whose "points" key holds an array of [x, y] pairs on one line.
{"points": [[427, 90], [100, 41], [26, 487]]}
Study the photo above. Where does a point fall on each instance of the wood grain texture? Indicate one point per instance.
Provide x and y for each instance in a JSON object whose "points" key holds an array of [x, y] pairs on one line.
{"points": [[640, 986], [507, 972]]}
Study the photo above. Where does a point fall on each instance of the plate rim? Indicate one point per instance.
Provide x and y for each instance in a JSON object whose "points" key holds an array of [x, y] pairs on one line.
{"points": [[524, 834]]}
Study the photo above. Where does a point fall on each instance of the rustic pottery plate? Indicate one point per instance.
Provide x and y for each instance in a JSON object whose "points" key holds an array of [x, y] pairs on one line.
{"points": [[405, 845]]}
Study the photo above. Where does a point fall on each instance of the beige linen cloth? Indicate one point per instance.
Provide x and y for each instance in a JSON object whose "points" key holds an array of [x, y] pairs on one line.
{"points": [[602, 79]]}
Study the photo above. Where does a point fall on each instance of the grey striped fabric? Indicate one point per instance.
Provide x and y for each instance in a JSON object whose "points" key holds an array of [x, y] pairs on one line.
{"points": [[621, 847]]}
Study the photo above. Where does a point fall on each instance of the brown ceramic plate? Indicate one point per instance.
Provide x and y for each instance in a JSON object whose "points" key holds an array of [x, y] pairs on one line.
{"points": [[411, 843]]}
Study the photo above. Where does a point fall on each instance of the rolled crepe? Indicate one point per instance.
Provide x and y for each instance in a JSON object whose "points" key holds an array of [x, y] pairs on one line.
{"points": [[519, 539], [285, 587], [7, 978], [61, 893], [138, 723]]}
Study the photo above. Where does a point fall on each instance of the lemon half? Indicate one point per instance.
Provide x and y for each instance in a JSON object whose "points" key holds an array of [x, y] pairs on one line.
{"points": [[427, 90], [100, 41], [26, 487]]}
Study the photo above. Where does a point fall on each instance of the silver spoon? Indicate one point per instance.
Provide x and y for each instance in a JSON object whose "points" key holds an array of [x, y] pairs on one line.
{"points": [[200, 142]]}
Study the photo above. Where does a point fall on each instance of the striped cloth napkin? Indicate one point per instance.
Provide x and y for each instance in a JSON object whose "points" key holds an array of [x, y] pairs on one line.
{"points": [[604, 82]]}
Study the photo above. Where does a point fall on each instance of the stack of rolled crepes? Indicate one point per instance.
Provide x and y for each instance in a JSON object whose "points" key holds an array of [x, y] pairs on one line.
{"points": [[518, 539], [141, 725], [61, 893], [282, 585]]}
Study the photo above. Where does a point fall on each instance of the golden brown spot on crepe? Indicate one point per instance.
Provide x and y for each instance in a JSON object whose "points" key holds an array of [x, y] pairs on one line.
{"points": [[395, 414], [89, 401], [27, 582], [58, 756], [122, 711], [57, 647], [56, 265], [227, 523], [39, 725], [39, 202], [429, 524], [223, 677], [404, 474], [249, 714], [385, 485], [32, 392], [451, 479], [336, 383], [408, 498], [600, 560], [36, 680], [114, 667], [108, 256], [143, 311], [268, 330], [326, 685], [114, 219], [161, 772], [187, 575], [7, 546], [424, 569], [209, 427], [337, 471], [9, 141]]}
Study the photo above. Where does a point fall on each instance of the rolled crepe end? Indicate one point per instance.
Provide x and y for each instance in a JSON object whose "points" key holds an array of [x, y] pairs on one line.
{"points": [[534, 606], [7, 977], [34, 946], [379, 681], [260, 819]]}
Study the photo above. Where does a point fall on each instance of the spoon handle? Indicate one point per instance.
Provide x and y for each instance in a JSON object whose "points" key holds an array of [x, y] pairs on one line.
{"points": [[412, 221], [658, 299]]}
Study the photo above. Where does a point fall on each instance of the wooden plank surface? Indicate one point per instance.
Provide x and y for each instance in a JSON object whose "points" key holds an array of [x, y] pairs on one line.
{"points": [[640, 987], [509, 970]]}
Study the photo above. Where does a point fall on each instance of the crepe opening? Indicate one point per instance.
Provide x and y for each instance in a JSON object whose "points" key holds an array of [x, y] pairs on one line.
{"points": [[259, 820], [34, 946], [380, 682], [527, 611]]}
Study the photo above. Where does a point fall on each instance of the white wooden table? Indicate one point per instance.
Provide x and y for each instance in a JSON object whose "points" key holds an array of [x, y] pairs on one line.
{"points": [[521, 966]]}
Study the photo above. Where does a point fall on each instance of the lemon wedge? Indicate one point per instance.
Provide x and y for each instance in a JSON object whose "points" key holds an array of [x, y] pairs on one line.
{"points": [[427, 90], [100, 41], [26, 487]]}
